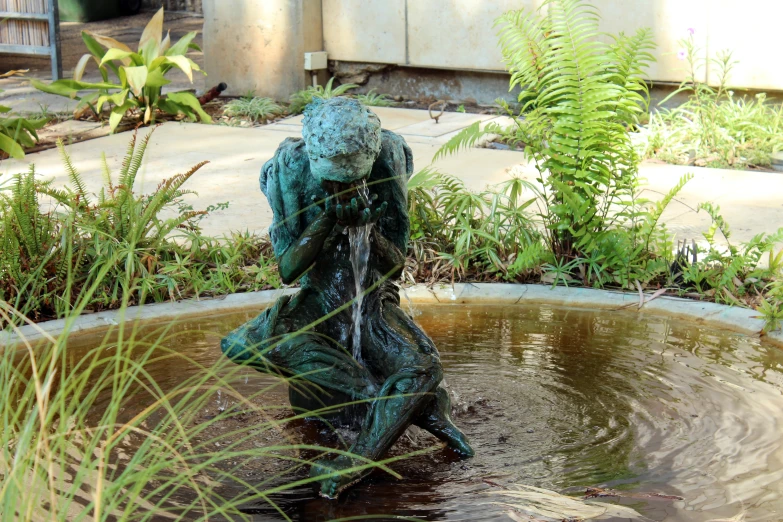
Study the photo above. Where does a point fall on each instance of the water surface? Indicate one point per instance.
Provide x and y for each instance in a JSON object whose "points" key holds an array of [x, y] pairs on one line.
{"points": [[566, 399]]}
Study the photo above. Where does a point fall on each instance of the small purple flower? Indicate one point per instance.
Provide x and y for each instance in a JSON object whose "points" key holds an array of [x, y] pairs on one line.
{"points": [[682, 54], [691, 31]]}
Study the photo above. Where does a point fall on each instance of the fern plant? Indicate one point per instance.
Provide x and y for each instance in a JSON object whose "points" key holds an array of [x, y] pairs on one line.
{"points": [[578, 98]]}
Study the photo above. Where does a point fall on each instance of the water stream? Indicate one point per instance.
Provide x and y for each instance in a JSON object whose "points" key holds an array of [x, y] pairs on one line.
{"points": [[359, 239]]}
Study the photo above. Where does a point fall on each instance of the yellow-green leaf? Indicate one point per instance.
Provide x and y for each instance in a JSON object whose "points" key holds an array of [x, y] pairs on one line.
{"points": [[78, 71], [120, 97], [10, 147], [109, 43], [137, 78], [117, 113], [166, 43], [153, 31], [183, 63], [117, 54]]}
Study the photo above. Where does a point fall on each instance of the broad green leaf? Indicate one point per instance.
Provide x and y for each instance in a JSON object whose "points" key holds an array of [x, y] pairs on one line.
{"points": [[10, 147], [153, 31], [137, 78], [183, 63], [92, 45], [54, 88], [107, 42], [120, 97], [117, 113], [166, 43], [78, 71], [150, 52], [189, 100], [156, 79], [117, 54], [181, 47]]}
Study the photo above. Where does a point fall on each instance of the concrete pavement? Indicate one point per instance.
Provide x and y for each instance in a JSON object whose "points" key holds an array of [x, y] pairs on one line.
{"points": [[751, 202]]}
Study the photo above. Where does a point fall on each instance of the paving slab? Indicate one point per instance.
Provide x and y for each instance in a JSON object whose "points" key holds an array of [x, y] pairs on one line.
{"points": [[392, 118], [751, 202], [447, 123]]}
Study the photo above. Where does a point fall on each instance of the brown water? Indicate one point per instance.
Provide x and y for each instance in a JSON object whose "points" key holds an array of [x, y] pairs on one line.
{"points": [[564, 399]]}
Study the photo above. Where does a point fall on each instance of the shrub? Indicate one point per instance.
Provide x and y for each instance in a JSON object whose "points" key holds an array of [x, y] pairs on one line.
{"points": [[300, 99], [17, 132], [49, 259], [459, 235], [578, 98], [95, 433], [714, 128], [253, 108], [141, 75], [371, 99]]}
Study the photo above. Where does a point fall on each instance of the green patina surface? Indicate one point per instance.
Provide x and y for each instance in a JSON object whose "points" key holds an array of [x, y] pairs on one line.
{"points": [[311, 185]]}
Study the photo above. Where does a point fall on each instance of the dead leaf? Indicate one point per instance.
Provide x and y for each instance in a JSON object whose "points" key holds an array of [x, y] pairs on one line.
{"points": [[16, 72]]}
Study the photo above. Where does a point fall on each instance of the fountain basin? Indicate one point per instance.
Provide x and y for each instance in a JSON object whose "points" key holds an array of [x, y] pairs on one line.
{"points": [[562, 398]]}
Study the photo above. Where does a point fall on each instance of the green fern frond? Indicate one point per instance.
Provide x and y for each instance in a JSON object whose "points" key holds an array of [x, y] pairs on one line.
{"points": [[73, 175], [466, 138]]}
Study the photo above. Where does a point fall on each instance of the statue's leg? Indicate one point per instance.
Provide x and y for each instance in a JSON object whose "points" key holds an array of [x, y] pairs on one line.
{"points": [[436, 418], [311, 359], [402, 399]]}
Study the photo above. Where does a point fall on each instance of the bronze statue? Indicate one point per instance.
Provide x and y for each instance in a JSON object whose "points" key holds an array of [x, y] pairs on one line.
{"points": [[319, 190]]}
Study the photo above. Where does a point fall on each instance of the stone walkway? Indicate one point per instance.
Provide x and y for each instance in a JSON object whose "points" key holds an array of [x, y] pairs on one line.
{"points": [[751, 202]]}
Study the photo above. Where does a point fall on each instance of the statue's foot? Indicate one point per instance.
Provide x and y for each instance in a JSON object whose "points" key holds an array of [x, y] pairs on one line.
{"points": [[459, 443], [340, 480]]}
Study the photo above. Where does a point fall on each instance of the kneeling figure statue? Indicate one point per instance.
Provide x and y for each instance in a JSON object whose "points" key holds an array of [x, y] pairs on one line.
{"points": [[319, 190]]}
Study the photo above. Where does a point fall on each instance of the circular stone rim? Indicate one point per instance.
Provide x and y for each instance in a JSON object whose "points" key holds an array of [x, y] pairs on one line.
{"points": [[699, 313]]}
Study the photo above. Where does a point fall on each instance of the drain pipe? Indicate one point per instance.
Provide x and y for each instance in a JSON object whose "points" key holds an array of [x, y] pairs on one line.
{"points": [[315, 62]]}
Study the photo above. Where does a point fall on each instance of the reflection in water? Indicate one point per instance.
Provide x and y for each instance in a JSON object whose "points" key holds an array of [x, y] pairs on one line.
{"points": [[563, 399]]}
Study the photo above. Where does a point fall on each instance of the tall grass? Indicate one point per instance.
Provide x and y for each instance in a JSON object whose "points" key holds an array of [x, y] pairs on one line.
{"points": [[49, 257], [714, 127], [92, 435]]}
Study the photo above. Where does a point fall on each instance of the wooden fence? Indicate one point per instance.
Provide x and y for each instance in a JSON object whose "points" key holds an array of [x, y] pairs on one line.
{"points": [[190, 6], [31, 27]]}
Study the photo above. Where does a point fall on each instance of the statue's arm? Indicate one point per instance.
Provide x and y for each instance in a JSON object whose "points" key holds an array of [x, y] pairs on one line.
{"points": [[390, 258], [304, 250]]}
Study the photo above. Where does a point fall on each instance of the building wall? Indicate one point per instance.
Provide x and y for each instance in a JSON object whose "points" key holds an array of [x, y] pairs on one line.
{"points": [[259, 45], [459, 34]]}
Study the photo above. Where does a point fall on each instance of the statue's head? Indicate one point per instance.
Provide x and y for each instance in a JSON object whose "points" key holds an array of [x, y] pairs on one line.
{"points": [[343, 140]]}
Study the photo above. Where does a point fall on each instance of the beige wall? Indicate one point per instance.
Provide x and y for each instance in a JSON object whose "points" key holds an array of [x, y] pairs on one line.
{"points": [[259, 45], [459, 34]]}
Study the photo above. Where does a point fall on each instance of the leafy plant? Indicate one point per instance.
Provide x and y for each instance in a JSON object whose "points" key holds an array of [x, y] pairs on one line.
{"points": [[253, 108], [300, 99], [459, 234], [49, 259], [93, 433], [17, 132], [734, 274], [139, 76], [371, 99], [714, 128], [579, 96]]}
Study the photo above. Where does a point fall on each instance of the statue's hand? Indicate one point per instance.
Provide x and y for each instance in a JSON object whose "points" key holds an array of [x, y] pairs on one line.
{"points": [[359, 213], [327, 206]]}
